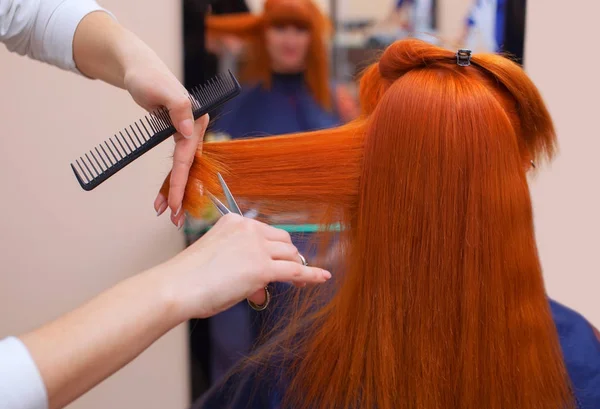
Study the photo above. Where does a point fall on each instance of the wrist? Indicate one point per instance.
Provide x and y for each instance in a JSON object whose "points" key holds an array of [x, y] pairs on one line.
{"points": [[129, 52], [135, 57], [167, 298], [184, 290]]}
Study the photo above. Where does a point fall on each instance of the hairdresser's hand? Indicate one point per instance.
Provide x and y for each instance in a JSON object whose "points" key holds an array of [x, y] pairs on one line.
{"points": [[236, 259], [103, 49], [152, 85]]}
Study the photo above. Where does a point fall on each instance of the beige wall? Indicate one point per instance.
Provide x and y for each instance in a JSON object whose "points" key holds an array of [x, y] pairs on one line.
{"points": [[61, 245], [562, 62]]}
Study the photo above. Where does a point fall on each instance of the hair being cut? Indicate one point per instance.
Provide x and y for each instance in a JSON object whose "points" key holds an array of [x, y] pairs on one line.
{"points": [[439, 300]]}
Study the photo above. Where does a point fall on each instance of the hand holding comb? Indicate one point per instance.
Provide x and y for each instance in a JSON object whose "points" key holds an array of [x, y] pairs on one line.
{"points": [[112, 155]]}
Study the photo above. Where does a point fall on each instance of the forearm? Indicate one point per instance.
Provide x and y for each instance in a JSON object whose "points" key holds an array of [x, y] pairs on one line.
{"points": [[102, 48], [82, 348]]}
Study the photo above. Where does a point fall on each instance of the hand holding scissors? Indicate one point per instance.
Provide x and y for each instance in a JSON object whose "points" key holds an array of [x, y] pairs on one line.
{"points": [[259, 301]]}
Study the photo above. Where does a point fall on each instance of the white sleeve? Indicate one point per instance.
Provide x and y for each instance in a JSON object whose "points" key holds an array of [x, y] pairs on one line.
{"points": [[21, 385], [43, 29]]}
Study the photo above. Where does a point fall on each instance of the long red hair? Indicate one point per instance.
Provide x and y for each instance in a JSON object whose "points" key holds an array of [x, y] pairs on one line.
{"points": [[439, 301], [256, 66]]}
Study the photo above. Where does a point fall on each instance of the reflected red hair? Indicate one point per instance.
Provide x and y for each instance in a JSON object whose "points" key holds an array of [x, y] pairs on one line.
{"points": [[257, 67], [439, 301]]}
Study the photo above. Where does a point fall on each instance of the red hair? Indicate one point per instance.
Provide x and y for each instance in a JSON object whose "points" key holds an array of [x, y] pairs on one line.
{"points": [[439, 300], [250, 27]]}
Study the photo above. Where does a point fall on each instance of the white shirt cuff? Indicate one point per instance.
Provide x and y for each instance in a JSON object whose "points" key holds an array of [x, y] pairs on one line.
{"points": [[21, 385], [57, 43]]}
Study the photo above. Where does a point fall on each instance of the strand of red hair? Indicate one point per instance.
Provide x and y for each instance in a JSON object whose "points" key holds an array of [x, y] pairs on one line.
{"points": [[439, 301]]}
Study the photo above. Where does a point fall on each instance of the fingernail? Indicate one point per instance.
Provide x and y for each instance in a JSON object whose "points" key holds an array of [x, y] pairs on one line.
{"points": [[160, 204], [187, 128], [178, 210], [162, 209], [180, 224], [326, 275]]}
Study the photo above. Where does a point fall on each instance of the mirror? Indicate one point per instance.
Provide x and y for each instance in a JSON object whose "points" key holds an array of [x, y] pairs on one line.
{"points": [[362, 29]]}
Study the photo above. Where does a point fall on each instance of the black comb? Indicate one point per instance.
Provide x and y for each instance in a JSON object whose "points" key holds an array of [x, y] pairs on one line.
{"points": [[113, 155]]}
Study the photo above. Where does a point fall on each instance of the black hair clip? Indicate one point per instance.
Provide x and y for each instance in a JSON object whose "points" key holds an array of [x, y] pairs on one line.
{"points": [[463, 57]]}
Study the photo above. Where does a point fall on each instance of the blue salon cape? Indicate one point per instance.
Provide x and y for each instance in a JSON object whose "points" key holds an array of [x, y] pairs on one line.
{"points": [[286, 107], [262, 388]]}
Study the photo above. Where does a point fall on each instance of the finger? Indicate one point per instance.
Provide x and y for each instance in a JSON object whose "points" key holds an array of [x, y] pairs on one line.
{"points": [[180, 110], [286, 271], [178, 220], [182, 162], [283, 251], [272, 233], [160, 204], [259, 297], [183, 158]]}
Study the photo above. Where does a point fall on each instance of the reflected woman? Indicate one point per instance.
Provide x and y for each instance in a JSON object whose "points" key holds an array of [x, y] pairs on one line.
{"points": [[284, 69]]}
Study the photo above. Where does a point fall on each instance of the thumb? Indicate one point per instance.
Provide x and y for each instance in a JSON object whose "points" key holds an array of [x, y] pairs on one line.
{"points": [[180, 111]]}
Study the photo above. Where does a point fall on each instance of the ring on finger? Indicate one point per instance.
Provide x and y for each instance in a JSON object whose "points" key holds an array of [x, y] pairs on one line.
{"points": [[303, 260]]}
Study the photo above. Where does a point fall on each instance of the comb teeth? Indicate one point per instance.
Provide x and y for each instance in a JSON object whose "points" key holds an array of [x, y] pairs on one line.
{"points": [[121, 149]]}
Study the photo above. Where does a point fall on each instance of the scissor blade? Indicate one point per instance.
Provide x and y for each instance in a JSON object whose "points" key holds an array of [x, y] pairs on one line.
{"points": [[230, 199], [218, 204]]}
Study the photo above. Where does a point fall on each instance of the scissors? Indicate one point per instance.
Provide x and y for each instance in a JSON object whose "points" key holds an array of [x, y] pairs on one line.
{"points": [[221, 208], [234, 208]]}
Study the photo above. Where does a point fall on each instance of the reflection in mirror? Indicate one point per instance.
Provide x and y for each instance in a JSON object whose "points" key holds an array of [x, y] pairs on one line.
{"points": [[364, 28]]}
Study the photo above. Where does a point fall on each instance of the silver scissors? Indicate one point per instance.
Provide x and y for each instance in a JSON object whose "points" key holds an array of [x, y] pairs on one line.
{"points": [[234, 208]]}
